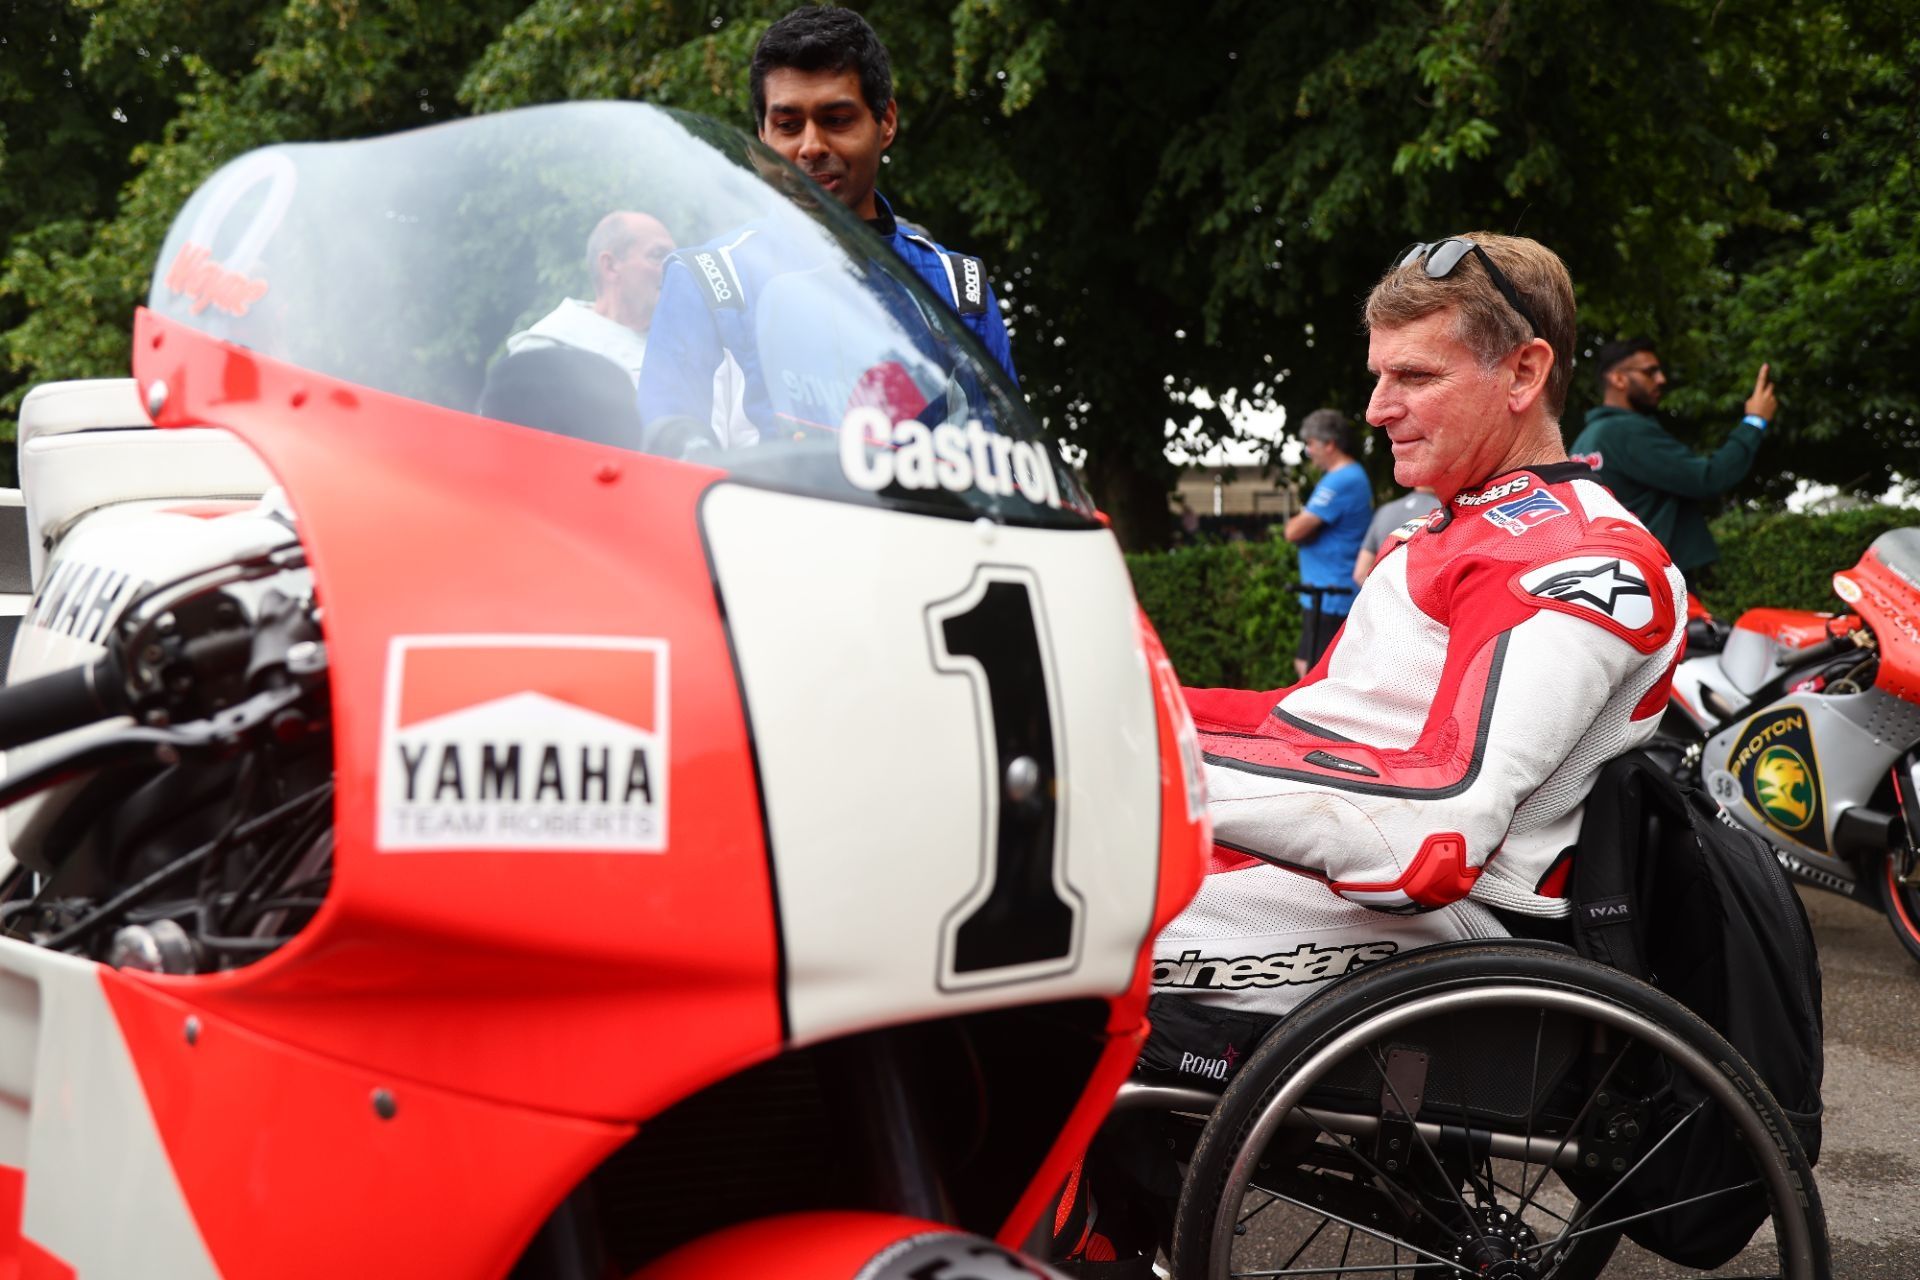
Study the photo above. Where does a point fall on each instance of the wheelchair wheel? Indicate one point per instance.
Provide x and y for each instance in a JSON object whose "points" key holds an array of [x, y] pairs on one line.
{"points": [[1502, 1110]]}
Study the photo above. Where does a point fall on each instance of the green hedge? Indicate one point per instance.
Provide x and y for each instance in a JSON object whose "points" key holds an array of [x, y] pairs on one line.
{"points": [[1775, 558], [1226, 619], [1223, 611]]}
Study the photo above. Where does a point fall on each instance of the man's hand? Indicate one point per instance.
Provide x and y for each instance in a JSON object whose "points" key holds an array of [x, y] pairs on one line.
{"points": [[1762, 402]]}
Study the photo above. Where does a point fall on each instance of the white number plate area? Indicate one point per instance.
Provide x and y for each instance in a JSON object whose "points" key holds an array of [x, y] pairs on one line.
{"points": [[955, 730]]}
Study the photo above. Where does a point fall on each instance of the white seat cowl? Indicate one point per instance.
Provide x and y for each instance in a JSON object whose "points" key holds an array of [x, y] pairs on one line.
{"points": [[89, 444]]}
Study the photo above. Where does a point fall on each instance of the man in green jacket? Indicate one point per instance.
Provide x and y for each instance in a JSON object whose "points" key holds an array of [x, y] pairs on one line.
{"points": [[1658, 478]]}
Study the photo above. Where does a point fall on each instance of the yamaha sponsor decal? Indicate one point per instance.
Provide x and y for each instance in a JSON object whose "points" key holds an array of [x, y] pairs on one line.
{"points": [[83, 600], [1192, 971], [878, 453], [1780, 775], [550, 743]]}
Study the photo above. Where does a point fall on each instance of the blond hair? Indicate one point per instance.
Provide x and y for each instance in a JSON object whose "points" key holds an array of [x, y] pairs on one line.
{"points": [[1483, 319]]}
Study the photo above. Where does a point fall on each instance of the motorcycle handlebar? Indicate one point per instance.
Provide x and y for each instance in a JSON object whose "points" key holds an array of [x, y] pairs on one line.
{"points": [[50, 704], [1825, 649]]}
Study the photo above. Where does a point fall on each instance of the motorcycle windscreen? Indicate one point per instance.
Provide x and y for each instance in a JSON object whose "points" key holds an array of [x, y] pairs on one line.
{"points": [[624, 275]]}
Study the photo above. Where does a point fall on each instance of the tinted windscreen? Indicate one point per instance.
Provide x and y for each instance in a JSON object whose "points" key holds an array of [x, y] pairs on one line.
{"points": [[613, 272]]}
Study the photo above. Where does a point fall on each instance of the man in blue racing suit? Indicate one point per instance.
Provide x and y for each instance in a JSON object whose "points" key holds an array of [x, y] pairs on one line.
{"points": [[822, 96]]}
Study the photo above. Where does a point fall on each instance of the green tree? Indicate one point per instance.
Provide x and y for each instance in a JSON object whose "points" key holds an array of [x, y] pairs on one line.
{"points": [[1174, 200]]}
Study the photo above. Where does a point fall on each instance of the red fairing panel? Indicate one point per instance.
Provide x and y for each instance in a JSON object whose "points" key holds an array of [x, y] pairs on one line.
{"points": [[535, 568], [844, 1246], [20, 1257], [298, 1166], [1186, 836]]}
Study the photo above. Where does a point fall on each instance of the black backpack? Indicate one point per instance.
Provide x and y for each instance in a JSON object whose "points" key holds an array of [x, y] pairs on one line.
{"points": [[1666, 889]]}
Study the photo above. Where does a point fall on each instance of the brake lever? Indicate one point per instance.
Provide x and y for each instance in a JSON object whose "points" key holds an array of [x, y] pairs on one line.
{"points": [[164, 745]]}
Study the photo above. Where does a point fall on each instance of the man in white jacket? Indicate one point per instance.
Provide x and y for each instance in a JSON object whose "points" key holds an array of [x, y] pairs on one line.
{"points": [[626, 255]]}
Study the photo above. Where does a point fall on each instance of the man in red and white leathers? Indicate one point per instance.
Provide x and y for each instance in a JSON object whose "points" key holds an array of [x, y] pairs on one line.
{"points": [[1434, 763]]}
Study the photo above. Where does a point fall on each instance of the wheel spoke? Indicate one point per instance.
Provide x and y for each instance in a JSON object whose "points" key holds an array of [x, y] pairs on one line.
{"points": [[1400, 1195], [1533, 1100], [1271, 1201], [1579, 1231], [1304, 1244], [1557, 1217], [1397, 1243], [1344, 1270], [1527, 1193], [1446, 1178], [1588, 1212]]}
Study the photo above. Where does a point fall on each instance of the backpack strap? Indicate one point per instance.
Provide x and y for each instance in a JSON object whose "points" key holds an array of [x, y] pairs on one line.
{"points": [[1618, 827]]}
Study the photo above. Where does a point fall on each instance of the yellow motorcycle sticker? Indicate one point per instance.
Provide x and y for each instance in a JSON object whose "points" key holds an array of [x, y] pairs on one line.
{"points": [[1780, 776]]}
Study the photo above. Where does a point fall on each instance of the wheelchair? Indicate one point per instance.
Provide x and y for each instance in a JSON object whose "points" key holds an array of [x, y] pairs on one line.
{"points": [[1494, 1108]]}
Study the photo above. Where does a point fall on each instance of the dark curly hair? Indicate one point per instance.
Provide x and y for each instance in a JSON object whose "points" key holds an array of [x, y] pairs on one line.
{"points": [[823, 38]]}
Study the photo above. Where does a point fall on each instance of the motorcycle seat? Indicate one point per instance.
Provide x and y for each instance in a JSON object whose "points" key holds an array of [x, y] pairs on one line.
{"points": [[86, 444]]}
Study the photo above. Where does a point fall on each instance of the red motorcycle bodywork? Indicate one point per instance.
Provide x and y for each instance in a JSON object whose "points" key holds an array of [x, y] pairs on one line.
{"points": [[463, 1035]]}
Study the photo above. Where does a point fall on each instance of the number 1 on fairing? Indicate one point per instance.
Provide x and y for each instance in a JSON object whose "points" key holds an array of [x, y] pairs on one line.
{"points": [[1021, 919]]}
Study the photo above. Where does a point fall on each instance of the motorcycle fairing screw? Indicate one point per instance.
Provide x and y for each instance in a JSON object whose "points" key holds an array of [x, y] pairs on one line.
{"points": [[192, 1030], [383, 1104]]}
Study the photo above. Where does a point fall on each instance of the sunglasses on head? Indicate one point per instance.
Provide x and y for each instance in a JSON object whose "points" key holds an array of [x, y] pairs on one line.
{"points": [[1442, 256]]}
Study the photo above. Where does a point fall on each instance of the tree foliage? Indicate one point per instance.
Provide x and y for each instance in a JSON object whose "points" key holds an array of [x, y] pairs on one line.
{"points": [[1181, 205]]}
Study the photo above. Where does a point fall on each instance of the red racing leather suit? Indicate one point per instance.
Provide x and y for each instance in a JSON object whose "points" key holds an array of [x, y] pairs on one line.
{"points": [[1502, 651]]}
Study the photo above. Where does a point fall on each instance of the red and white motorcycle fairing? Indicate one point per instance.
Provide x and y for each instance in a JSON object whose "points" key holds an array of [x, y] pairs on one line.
{"points": [[844, 792]]}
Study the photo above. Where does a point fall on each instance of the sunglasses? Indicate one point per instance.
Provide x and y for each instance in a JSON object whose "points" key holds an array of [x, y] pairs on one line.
{"points": [[1442, 256]]}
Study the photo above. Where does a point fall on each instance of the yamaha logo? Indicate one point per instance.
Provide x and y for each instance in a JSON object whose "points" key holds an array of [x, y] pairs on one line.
{"points": [[552, 743]]}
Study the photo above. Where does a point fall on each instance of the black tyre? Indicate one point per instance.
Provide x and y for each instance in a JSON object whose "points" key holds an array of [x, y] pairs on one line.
{"points": [[1901, 902], [1489, 1109]]}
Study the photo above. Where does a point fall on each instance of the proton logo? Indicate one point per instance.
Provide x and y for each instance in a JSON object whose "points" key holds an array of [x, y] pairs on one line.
{"points": [[1784, 787]]}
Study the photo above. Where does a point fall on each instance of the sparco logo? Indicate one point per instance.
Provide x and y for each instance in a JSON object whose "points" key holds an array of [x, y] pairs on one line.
{"points": [[716, 279], [1305, 963], [554, 743], [970, 280], [1494, 494]]}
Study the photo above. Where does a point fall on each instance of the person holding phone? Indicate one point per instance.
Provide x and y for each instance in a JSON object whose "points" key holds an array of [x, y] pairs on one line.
{"points": [[1654, 475]]}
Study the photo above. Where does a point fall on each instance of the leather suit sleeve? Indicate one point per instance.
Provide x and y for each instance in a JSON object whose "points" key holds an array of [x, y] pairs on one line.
{"points": [[1535, 656]]}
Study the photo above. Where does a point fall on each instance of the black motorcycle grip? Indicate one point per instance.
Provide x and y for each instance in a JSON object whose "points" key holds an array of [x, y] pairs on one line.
{"points": [[50, 704]]}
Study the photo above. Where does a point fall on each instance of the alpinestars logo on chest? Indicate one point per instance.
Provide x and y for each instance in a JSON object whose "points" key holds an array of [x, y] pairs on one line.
{"points": [[1600, 585]]}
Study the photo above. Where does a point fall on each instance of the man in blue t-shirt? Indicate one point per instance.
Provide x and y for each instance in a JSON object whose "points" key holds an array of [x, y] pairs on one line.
{"points": [[1329, 531]]}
